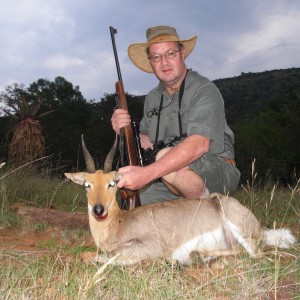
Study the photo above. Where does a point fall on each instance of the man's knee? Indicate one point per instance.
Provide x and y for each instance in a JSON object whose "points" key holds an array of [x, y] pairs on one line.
{"points": [[169, 178], [161, 153], [180, 176]]}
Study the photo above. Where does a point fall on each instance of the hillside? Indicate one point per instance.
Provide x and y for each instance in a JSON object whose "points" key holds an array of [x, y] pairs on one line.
{"points": [[248, 95]]}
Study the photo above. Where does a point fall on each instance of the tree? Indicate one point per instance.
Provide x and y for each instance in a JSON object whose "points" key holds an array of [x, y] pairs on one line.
{"points": [[56, 93], [27, 142], [62, 130]]}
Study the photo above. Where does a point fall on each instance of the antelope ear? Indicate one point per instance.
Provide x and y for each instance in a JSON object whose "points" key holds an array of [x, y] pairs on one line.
{"points": [[78, 178]]}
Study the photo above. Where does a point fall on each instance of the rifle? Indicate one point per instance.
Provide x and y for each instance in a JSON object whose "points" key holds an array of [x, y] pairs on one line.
{"points": [[131, 198]]}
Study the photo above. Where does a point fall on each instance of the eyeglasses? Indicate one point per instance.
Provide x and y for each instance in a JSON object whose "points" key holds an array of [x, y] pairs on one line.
{"points": [[155, 58]]}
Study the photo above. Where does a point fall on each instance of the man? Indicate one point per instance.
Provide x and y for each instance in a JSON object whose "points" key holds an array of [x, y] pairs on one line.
{"points": [[186, 110]]}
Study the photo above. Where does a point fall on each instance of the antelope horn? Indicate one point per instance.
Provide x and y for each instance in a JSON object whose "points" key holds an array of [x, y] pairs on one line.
{"points": [[90, 165], [110, 156]]}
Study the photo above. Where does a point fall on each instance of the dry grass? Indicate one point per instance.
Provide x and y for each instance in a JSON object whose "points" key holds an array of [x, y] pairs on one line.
{"points": [[62, 276]]}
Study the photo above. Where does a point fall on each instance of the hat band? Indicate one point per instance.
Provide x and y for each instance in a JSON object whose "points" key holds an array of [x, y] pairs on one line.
{"points": [[165, 38]]}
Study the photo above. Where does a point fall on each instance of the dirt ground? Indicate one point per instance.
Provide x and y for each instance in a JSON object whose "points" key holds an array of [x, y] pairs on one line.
{"points": [[41, 226]]}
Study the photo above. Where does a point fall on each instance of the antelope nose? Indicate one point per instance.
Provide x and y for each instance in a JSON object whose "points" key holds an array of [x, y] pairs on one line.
{"points": [[98, 210]]}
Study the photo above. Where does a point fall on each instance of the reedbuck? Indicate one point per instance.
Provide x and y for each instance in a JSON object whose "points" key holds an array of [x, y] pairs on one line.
{"points": [[212, 227]]}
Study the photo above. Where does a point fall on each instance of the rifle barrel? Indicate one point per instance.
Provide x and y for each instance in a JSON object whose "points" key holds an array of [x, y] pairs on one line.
{"points": [[114, 31]]}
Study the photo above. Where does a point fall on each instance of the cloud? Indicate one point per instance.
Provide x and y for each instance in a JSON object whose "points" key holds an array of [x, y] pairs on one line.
{"points": [[30, 29], [270, 41], [275, 31], [60, 62]]}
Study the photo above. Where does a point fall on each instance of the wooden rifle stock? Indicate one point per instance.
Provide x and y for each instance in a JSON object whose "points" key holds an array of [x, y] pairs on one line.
{"points": [[128, 133], [131, 198]]}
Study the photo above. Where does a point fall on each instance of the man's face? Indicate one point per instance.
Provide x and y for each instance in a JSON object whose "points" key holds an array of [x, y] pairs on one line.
{"points": [[168, 70]]}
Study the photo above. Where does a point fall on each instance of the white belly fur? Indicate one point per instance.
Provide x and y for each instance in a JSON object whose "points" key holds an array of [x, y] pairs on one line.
{"points": [[214, 240]]}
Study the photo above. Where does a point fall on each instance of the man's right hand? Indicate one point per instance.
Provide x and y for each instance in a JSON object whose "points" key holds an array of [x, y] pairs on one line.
{"points": [[120, 118]]}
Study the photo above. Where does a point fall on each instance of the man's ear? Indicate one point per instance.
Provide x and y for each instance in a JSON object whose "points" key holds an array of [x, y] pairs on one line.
{"points": [[183, 53]]}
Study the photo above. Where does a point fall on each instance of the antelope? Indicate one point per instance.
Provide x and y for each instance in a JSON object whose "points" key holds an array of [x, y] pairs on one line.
{"points": [[175, 229]]}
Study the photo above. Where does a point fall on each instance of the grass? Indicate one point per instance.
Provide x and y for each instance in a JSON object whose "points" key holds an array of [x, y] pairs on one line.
{"points": [[40, 190], [58, 271], [58, 277]]}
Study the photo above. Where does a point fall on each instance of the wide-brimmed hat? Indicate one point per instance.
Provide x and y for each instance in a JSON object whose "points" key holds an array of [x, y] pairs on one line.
{"points": [[159, 34]]}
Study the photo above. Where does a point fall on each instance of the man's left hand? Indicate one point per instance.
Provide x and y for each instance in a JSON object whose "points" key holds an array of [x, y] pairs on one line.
{"points": [[133, 177]]}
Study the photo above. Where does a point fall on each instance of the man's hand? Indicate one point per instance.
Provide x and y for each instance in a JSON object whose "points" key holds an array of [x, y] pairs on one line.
{"points": [[145, 141], [133, 177], [120, 119]]}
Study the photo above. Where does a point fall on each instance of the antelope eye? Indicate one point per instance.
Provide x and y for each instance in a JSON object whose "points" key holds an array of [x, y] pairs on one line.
{"points": [[111, 184], [87, 184]]}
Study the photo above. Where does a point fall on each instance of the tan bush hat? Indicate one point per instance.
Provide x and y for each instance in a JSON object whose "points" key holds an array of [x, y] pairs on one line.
{"points": [[138, 52]]}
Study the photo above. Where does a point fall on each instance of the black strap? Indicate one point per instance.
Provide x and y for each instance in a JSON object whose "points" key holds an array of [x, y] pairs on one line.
{"points": [[181, 91], [158, 119]]}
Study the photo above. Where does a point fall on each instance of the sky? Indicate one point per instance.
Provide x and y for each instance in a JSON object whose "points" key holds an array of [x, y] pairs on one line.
{"points": [[71, 38]]}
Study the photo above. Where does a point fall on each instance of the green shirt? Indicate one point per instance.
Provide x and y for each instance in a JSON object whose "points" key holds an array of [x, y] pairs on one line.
{"points": [[202, 113]]}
